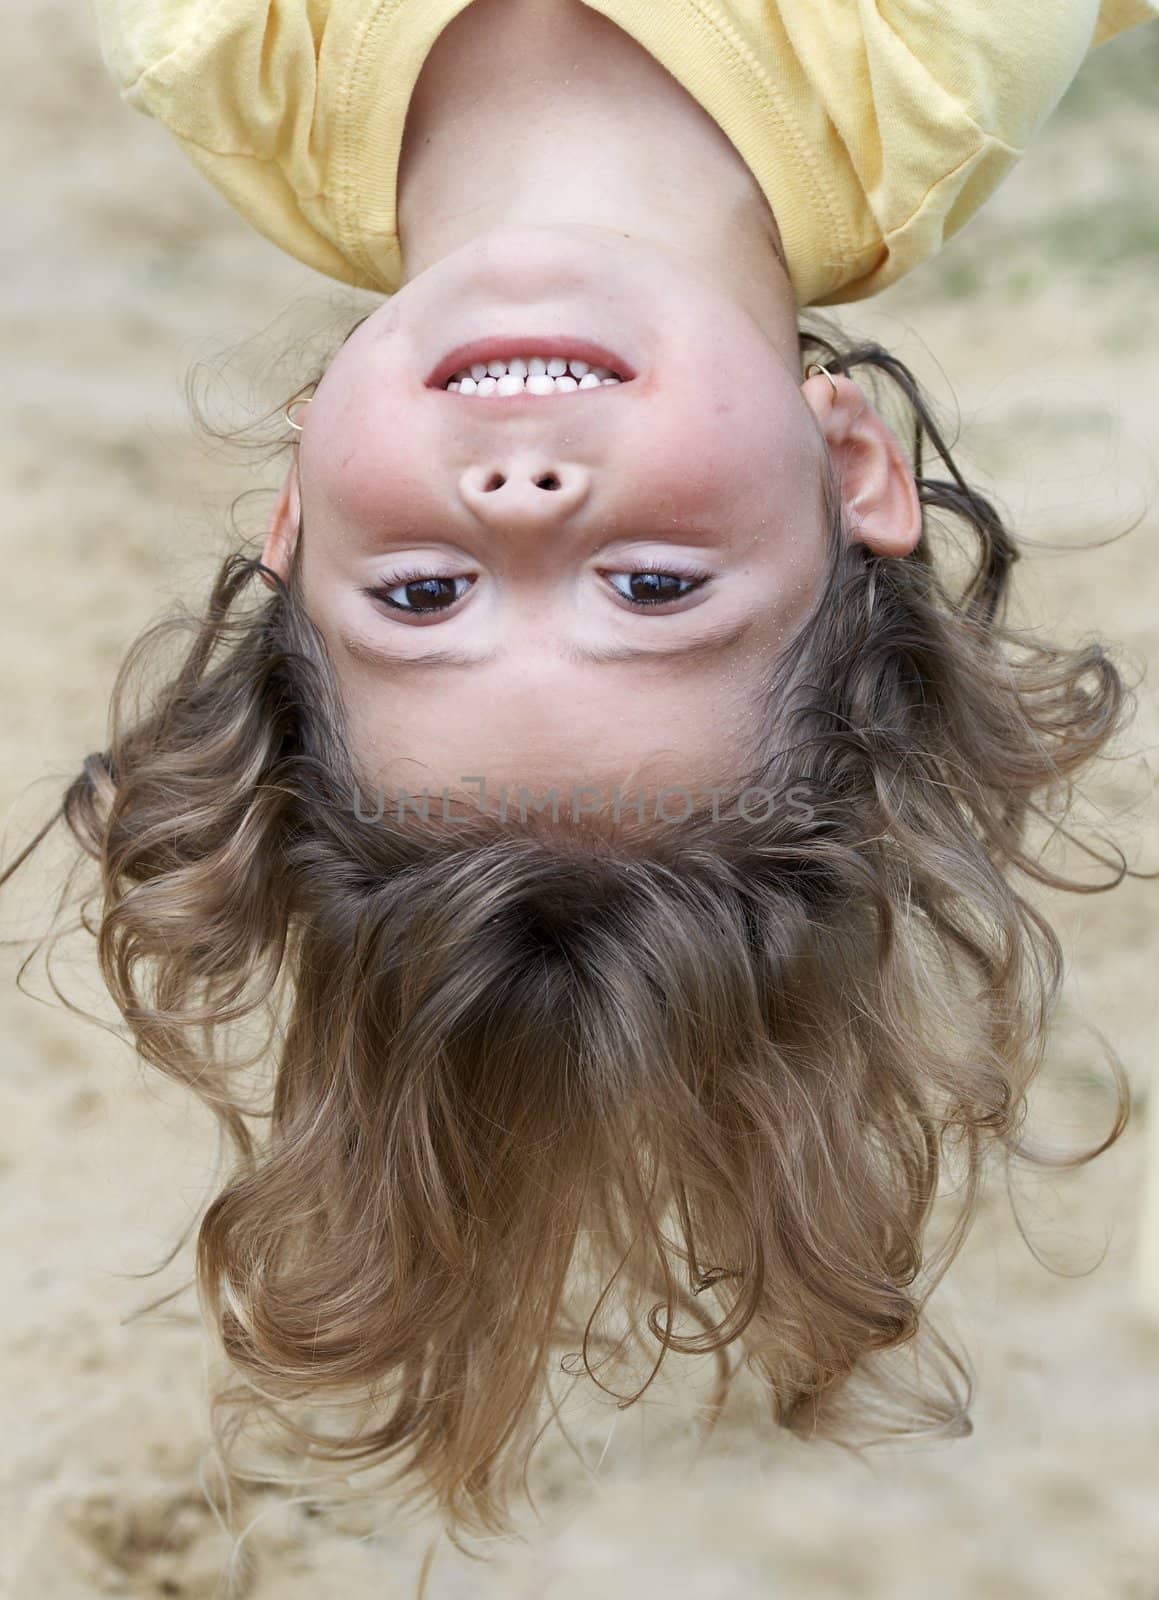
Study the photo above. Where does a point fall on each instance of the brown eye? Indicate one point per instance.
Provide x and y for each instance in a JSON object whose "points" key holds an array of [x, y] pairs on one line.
{"points": [[654, 588], [422, 593]]}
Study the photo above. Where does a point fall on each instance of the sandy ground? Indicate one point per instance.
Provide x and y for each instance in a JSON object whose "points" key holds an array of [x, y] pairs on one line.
{"points": [[1039, 333]]}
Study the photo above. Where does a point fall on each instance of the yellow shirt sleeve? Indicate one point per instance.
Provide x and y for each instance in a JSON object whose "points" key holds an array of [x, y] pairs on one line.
{"points": [[949, 97], [247, 87], [875, 127]]}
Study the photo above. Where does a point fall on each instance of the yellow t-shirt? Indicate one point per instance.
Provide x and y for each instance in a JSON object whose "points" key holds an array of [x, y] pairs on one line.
{"points": [[876, 128]]}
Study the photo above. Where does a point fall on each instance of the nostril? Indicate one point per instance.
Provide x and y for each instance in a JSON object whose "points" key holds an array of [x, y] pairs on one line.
{"points": [[548, 481], [495, 481]]}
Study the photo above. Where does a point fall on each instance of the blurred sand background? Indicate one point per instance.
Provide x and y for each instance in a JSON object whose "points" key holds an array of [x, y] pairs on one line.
{"points": [[1038, 331]]}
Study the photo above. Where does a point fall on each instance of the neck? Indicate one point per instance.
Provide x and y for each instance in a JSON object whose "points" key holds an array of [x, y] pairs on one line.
{"points": [[541, 113]]}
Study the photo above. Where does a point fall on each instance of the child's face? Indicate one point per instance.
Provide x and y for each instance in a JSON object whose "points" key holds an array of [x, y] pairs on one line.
{"points": [[529, 662]]}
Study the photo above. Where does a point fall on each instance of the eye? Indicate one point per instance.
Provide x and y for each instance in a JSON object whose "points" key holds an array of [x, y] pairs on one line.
{"points": [[655, 586], [421, 592]]}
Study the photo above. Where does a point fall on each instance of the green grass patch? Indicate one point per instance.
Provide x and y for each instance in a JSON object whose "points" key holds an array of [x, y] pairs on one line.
{"points": [[1123, 71]]}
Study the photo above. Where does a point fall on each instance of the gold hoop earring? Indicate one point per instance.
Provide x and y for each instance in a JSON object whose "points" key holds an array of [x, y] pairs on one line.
{"points": [[288, 412], [814, 368]]}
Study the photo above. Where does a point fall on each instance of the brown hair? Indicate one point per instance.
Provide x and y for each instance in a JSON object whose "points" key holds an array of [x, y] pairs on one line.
{"points": [[718, 1064]]}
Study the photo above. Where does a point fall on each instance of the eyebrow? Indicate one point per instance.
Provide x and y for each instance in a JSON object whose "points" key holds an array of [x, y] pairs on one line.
{"points": [[709, 643]]}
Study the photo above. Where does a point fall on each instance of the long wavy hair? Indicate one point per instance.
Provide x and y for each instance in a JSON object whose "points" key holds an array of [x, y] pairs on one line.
{"points": [[706, 1074]]}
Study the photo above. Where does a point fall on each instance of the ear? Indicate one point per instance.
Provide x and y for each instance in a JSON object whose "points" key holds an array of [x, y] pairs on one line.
{"points": [[282, 532], [877, 482]]}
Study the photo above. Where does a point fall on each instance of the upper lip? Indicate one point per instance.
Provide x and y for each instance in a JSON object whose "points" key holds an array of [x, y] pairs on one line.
{"points": [[506, 349]]}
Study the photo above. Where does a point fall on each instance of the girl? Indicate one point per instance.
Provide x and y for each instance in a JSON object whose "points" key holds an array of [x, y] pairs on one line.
{"points": [[614, 809], [562, 494]]}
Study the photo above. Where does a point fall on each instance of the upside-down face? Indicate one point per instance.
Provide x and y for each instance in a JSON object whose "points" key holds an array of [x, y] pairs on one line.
{"points": [[561, 505]]}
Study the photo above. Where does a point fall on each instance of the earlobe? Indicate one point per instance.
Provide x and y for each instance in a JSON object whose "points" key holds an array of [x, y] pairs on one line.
{"points": [[282, 530], [878, 490]]}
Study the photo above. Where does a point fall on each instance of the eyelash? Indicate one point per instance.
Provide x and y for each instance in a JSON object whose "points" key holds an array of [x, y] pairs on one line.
{"points": [[382, 591], [695, 579]]}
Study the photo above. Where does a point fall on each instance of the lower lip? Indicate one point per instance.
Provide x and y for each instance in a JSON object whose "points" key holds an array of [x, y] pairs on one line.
{"points": [[487, 350]]}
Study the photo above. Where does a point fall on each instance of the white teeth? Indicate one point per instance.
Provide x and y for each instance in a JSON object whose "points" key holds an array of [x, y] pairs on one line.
{"points": [[529, 375], [540, 384]]}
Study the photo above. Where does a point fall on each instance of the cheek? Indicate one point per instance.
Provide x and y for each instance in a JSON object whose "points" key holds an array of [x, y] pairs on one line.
{"points": [[691, 462], [727, 455], [358, 466]]}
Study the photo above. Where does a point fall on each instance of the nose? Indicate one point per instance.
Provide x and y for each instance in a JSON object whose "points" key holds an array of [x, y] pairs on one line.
{"points": [[524, 493]]}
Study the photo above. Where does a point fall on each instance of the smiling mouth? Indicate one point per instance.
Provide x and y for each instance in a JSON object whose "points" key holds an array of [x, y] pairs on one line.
{"points": [[551, 366]]}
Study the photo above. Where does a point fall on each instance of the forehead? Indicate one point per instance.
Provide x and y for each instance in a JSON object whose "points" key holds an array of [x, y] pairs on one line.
{"points": [[576, 724]]}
